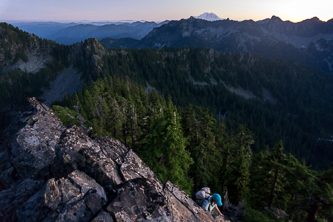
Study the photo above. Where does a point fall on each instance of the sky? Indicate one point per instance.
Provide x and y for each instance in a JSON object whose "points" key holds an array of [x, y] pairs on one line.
{"points": [[158, 10]]}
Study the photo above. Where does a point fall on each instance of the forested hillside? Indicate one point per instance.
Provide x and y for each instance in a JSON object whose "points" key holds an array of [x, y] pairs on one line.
{"points": [[275, 99], [280, 100], [189, 147]]}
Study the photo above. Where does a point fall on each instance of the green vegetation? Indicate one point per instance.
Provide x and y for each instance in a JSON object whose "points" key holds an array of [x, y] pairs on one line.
{"points": [[192, 149], [300, 113], [67, 116], [163, 149], [251, 215], [20, 56]]}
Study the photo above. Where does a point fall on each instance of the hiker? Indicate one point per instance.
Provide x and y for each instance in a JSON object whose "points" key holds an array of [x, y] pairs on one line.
{"points": [[208, 202]]}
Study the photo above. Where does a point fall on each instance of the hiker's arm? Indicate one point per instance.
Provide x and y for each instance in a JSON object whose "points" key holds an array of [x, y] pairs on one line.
{"points": [[217, 208]]}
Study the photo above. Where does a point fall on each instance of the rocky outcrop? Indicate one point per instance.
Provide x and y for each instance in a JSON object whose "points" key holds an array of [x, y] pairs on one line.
{"points": [[67, 82], [76, 197], [21, 50], [50, 172], [91, 51]]}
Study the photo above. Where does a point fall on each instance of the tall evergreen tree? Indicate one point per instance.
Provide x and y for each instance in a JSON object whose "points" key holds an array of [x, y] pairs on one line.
{"points": [[319, 203], [279, 161], [239, 175], [260, 179], [163, 149]]}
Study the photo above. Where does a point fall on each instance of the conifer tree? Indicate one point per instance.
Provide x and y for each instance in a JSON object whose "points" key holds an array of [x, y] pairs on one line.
{"points": [[222, 156], [225, 147], [269, 179], [300, 181], [163, 149], [239, 175], [319, 202], [259, 180], [278, 160]]}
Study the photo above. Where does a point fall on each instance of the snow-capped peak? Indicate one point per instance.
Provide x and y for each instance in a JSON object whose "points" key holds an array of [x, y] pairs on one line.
{"points": [[208, 16]]}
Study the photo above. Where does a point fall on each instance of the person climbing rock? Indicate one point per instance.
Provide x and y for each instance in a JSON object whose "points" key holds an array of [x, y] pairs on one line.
{"points": [[208, 202]]}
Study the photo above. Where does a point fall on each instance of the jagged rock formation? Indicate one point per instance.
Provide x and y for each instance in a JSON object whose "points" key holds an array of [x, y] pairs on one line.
{"points": [[20, 50], [53, 173]]}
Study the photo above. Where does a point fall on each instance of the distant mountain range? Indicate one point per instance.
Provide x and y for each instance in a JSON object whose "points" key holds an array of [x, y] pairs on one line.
{"points": [[69, 33], [309, 42]]}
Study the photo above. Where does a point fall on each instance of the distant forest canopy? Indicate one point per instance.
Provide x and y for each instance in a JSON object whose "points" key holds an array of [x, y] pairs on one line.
{"points": [[288, 101]]}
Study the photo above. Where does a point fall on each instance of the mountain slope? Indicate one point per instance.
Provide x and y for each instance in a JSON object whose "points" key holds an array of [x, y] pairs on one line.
{"points": [[28, 64], [275, 99], [121, 43], [31, 66], [69, 33], [309, 42], [78, 33], [42, 29]]}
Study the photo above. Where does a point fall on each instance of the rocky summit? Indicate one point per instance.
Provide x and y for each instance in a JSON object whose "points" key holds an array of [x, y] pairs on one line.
{"points": [[50, 172]]}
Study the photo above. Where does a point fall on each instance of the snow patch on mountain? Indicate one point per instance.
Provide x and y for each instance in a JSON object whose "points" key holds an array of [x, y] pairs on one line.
{"points": [[209, 16]]}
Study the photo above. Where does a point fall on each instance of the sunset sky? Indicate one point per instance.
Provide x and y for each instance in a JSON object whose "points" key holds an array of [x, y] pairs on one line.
{"points": [[158, 10]]}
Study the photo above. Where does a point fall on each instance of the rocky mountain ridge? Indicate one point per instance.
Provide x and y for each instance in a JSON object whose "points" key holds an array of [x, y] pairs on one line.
{"points": [[309, 42], [69, 33], [22, 50], [55, 173]]}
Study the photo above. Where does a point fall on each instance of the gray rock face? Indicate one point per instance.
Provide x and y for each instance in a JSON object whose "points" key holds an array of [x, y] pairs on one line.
{"points": [[133, 167], [33, 147], [143, 202], [30, 147], [14, 197], [53, 173], [68, 199]]}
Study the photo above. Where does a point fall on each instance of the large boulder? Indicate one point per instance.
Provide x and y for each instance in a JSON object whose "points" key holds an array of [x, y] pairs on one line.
{"points": [[133, 167], [14, 197], [33, 146], [50, 172], [75, 198]]}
